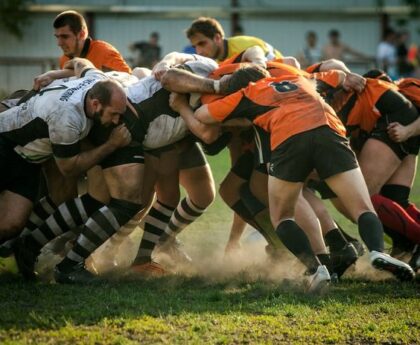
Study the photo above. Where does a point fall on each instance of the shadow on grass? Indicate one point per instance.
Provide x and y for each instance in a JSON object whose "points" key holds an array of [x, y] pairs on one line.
{"points": [[50, 306]]}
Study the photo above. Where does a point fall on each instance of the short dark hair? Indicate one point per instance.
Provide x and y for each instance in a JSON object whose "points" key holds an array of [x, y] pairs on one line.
{"points": [[334, 33], [207, 26], [103, 91], [244, 75], [311, 33], [377, 74], [73, 19]]}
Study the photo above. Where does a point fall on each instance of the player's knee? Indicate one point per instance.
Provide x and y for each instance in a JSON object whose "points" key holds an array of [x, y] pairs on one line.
{"points": [[229, 192], [205, 197], [10, 227]]}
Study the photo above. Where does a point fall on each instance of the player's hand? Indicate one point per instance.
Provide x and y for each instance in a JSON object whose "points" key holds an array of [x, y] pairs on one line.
{"points": [[178, 101], [120, 136], [397, 132], [42, 80], [160, 69], [354, 82]]}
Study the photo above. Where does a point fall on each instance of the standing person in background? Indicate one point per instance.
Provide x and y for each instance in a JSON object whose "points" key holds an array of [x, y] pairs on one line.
{"points": [[386, 55], [311, 54], [405, 67], [72, 36], [149, 53], [336, 49]]}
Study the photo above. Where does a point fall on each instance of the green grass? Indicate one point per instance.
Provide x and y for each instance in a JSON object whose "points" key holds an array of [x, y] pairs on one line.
{"points": [[247, 306]]}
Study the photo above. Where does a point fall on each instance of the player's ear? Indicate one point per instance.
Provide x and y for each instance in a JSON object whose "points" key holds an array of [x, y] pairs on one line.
{"points": [[218, 38], [83, 34]]}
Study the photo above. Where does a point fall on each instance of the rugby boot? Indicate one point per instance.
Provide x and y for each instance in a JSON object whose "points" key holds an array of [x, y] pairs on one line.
{"points": [[385, 262]]}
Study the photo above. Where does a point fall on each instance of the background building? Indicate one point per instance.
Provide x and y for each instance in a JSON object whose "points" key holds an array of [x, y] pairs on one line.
{"points": [[122, 22]]}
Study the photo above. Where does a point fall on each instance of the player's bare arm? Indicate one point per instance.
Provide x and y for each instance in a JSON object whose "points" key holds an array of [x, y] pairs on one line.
{"points": [[207, 133], [76, 165]]}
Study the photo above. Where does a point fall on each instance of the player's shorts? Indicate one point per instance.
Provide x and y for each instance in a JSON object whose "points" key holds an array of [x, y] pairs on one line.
{"points": [[262, 146], [16, 174], [394, 107], [320, 148], [190, 154], [244, 165], [125, 155], [192, 157]]}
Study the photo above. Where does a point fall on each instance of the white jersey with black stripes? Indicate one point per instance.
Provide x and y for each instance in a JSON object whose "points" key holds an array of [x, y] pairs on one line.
{"points": [[53, 116]]}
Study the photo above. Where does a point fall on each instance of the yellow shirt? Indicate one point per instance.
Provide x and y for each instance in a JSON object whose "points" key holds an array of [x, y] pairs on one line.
{"points": [[237, 44]]}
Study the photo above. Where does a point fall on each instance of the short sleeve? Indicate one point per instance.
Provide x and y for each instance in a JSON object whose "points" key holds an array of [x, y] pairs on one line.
{"points": [[225, 107]]}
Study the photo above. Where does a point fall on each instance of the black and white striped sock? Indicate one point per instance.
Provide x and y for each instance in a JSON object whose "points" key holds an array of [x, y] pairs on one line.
{"points": [[185, 213], [67, 216], [155, 223], [41, 211], [98, 228]]}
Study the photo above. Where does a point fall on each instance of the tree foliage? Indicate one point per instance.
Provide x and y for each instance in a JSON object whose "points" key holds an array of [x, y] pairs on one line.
{"points": [[13, 15]]}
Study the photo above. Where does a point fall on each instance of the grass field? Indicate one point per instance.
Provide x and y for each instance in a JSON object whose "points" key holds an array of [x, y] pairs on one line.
{"points": [[219, 302]]}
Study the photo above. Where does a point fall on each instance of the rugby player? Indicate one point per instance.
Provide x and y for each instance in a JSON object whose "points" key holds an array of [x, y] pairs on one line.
{"points": [[52, 123], [290, 130]]}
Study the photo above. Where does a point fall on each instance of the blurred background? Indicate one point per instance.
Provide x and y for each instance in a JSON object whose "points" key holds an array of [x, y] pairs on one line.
{"points": [[28, 47]]}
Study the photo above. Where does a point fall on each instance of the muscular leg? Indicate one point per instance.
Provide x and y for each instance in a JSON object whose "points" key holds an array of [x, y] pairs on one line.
{"points": [[14, 213], [398, 187], [356, 200], [162, 175], [125, 187], [283, 197], [238, 222]]}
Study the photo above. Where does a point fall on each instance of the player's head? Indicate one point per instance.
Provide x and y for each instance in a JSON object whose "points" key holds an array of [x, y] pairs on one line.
{"points": [[71, 31], [334, 36], [311, 38], [242, 77], [207, 37], [154, 38], [378, 74], [108, 102]]}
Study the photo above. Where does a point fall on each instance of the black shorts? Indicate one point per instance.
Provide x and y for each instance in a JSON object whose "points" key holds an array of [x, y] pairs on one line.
{"points": [[192, 157], [244, 165], [394, 107], [262, 146], [190, 153], [16, 174], [125, 155], [320, 148]]}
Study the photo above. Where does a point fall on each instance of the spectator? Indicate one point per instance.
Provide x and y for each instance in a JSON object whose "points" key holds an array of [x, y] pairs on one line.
{"points": [[148, 53], [311, 53], [336, 49], [386, 55], [405, 67]]}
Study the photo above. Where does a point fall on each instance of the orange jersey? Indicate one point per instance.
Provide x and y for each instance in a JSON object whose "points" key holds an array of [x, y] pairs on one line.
{"points": [[358, 110], [283, 106], [276, 69], [103, 55], [410, 88]]}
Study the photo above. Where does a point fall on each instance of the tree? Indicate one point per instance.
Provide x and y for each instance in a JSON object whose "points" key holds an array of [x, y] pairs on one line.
{"points": [[13, 15]]}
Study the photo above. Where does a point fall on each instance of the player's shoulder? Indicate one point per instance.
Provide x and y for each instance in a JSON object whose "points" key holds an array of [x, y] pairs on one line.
{"points": [[244, 38], [103, 45]]}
